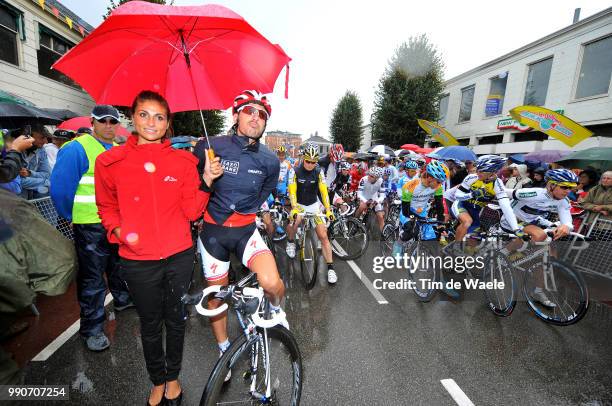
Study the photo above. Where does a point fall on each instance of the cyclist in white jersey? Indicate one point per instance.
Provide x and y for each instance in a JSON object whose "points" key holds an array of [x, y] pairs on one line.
{"points": [[371, 192], [533, 206]]}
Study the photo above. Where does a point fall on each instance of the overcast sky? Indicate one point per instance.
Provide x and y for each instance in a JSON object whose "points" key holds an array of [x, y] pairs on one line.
{"points": [[337, 46]]}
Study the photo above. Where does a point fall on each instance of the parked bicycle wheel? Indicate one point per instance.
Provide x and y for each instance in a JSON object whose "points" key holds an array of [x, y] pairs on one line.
{"points": [[251, 372], [425, 277], [390, 236], [564, 288], [352, 237], [501, 299], [308, 260]]}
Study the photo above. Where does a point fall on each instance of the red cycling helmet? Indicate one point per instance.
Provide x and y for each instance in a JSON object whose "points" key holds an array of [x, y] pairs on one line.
{"points": [[336, 152], [251, 97]]}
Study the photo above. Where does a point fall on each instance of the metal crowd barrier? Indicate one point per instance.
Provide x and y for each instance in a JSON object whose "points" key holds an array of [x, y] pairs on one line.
{"points": [[47, 210], [596, 258]]}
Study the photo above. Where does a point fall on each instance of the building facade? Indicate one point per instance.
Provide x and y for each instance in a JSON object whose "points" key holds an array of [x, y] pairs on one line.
{"points": [[324, 144], [33, 38], [291, 141], [567, 71]]}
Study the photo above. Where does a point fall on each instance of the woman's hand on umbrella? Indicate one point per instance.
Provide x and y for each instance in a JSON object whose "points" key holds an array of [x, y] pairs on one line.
{"points": [[212, 169]]}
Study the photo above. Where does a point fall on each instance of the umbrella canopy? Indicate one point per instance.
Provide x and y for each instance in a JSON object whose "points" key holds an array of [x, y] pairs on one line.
{"points": [[197, 57], [424, 150], [548, 156], [457, 152], [62, 114], [75, 123], [517, 158], [381, 150], [13, 114], [8, 97], [410, 147], [363, 156], [404, 152], [597, 158]]}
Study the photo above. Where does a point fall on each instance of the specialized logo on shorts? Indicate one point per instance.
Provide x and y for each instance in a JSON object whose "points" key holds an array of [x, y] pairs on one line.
{"points": [[230, 166], [253, 244], [213, 267]]}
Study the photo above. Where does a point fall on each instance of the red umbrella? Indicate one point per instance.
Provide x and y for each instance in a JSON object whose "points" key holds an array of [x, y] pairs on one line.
{"points": [[423, 150], [75, 123], [410, 147], [197, 57]]}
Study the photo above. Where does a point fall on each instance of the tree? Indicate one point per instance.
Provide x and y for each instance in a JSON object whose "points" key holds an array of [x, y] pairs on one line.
{"points": [[190, 123], [114, 5], [346, 122], [409, 89]]}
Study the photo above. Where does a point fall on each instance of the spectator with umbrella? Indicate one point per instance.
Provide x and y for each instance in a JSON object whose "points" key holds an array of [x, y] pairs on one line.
{"points": [[11, 159]]}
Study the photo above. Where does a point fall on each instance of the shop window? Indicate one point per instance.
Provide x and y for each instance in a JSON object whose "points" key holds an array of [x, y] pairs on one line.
{"points": [[537, 82], [493, 139], [596, 68]]}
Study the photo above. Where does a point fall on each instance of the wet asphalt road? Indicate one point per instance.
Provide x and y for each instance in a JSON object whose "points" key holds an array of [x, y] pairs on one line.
{"points": [[359, 352]]}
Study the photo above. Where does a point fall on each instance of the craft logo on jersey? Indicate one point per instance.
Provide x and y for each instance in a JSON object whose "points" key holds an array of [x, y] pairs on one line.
{"points": [[548, 122], [230, 166], [256, 171]]}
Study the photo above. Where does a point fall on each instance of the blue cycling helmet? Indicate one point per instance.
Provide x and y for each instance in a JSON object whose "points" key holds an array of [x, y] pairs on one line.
{"points": [[490, 163], [388, 172], [411, 165], [344, 165], [437, 170], [563, 177]]}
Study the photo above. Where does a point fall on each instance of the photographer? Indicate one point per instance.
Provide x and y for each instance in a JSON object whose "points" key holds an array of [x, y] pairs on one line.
{"points": [[36, 172], [11, 160]]}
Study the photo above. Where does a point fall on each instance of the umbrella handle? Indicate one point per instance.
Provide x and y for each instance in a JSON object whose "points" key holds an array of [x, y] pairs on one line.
{"points": [[211, 153]]}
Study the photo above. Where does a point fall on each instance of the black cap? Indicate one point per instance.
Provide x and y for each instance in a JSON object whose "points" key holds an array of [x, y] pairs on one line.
{"points": [[104, 110], [66, 134], [84, 130]]}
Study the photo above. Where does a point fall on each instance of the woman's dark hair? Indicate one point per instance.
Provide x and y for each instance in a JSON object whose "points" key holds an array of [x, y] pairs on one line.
{"points": [[151, 95]]}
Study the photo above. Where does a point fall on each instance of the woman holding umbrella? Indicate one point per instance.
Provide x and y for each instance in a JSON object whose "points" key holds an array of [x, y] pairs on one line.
{"points": [[147, 193]]}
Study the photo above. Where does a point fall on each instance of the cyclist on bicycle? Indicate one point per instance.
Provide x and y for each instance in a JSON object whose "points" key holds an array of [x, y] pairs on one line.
{"points": [[341, 184], [476, 191], [329, 164], [410, 172], [372, 193], [533, 206], [285, 166], [250, 175], [417, 195], [306, 185]]}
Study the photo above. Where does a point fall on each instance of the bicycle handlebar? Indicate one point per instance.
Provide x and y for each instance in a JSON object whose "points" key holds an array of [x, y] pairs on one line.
{"points": [[246, 292]]}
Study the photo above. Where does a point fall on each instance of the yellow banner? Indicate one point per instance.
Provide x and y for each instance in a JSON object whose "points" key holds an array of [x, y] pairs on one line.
{"points": [[42, 4], [69, 22], [438, 133], [551, 123]]}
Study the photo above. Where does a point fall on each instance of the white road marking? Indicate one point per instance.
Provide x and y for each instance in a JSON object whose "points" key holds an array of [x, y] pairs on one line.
{"points": [[65, 336], [456, 393], [375, 292]]}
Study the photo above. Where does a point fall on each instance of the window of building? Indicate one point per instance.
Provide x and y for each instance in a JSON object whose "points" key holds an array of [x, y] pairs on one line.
{"points": [[530, 136], [11, 28], [52, 47], [497, 92], [493, 139], [467, 99], [594, 77], [537, 82], [443, 109]]}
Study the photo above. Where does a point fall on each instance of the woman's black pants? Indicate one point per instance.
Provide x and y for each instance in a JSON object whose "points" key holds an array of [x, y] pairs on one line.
{"points": [[156, 287]]}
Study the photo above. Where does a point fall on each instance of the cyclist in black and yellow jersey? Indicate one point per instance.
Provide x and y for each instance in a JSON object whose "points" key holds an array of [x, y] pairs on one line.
{"points": [[307, 190]]}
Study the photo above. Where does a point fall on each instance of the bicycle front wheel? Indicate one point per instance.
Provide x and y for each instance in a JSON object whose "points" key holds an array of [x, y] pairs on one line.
{"points": [[425, 277], [390, 237], [255, 381], [556, 293], [499, 285], [351, 236], [309, 261]]}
